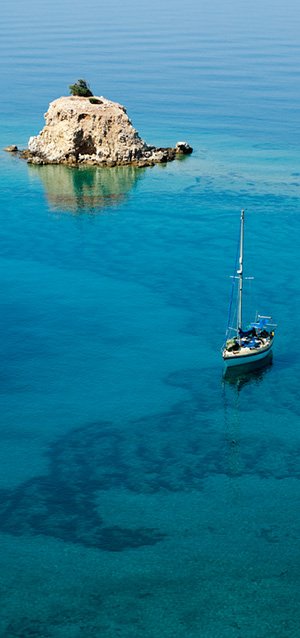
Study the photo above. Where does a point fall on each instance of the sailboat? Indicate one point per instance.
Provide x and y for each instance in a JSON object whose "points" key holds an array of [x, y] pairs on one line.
{"points": [[243, 347]]}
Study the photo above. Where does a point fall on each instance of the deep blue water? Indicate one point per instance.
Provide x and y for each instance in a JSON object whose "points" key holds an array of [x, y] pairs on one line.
{"points": [[141, 494]]}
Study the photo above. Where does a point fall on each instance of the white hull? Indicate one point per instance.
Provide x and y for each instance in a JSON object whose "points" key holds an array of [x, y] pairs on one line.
{"points": [[250, 357]]}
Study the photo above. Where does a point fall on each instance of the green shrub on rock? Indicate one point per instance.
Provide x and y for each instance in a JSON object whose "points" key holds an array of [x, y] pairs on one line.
{"points": [[80, 88]]}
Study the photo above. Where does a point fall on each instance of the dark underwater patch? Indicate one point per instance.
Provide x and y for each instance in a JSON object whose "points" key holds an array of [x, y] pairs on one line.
{"points": [[172, 452], [62, 504]]}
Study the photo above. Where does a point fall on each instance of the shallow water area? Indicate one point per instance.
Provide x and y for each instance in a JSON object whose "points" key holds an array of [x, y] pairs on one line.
{"points": [[142, 493]]}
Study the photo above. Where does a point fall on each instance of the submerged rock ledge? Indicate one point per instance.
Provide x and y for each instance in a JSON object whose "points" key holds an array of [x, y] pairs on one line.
{"points": [[94, 131]]}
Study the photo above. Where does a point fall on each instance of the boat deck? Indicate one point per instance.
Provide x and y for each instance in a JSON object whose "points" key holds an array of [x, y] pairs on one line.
{"points": [[247, 350]]}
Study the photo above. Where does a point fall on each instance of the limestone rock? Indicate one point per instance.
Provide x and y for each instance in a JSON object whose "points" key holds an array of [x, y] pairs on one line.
{"points": [[93, 131], [11, 149], [183, 148]]}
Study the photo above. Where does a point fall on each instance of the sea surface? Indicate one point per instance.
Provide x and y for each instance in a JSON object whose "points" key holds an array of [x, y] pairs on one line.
{"points": [[142, 494]]}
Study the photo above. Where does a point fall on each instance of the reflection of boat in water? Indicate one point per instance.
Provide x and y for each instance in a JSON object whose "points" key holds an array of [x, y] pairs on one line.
{"points": [[84, 189], [248, 347], [240, 376], [238, 385]]}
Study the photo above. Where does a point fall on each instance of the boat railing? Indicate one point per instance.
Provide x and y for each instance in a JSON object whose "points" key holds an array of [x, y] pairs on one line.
{"points": [[269, 322]]}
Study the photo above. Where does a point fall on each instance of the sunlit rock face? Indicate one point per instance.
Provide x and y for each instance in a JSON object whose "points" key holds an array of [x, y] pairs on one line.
{"points": [[94, 131]]}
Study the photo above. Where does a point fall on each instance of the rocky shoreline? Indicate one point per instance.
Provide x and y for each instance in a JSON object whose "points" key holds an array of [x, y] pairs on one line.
{"points": [[95, 132]]}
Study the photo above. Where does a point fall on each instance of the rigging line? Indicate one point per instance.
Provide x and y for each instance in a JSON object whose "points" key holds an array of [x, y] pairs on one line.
{"points": [[233, 284]]}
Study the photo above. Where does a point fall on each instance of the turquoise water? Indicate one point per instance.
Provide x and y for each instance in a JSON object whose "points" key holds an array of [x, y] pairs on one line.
{"points": [[141, 494]]}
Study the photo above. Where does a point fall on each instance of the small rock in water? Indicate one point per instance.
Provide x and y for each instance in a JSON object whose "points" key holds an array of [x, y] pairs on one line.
{"points": [[11, 149], [183, 148]]}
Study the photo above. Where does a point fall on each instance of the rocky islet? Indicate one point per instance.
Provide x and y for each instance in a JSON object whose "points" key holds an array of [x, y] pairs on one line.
{"points": [[93, 131]]}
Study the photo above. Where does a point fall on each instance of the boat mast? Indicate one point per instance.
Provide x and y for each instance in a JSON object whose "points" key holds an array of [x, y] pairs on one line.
{"points": [[240, 275]]}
